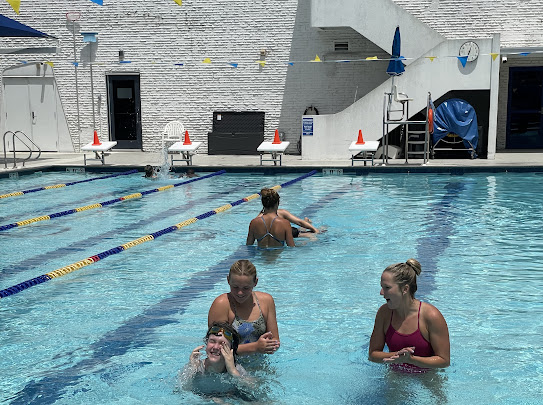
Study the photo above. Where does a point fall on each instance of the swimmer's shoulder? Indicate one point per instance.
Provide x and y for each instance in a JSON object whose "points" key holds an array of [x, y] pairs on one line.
{"points": [[264, 297], [222, 300], [384, 312], [430, 313]]}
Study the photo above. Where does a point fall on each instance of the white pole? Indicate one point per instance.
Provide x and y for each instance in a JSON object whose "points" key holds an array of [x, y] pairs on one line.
{"points": [[76, 89], [92, 88]]}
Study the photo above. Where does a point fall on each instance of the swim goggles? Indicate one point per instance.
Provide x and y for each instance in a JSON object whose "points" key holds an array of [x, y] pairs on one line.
{"points": [[215, 330]]}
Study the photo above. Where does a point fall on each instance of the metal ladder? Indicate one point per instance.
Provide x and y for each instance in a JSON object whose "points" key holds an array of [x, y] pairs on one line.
{"points": [[15, 136], [414, 134]]}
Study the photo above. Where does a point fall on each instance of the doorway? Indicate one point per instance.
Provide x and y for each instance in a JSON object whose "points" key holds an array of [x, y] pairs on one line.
{"points": [[525, 108], [124, 105]]}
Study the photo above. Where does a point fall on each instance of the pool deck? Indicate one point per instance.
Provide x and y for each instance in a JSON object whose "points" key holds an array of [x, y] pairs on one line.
{"points": [[516, 160]]}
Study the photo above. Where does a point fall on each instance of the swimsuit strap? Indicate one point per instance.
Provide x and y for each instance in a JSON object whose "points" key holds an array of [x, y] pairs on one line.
{"points": [[268, 230], [418, 316], [257, 302]]}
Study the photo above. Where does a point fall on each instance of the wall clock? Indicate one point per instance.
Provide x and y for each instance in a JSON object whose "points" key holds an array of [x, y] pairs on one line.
{"points": [[469, 49]]}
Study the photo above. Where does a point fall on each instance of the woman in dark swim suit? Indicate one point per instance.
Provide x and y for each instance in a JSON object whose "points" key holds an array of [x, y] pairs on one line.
{"points": [[415, 332], [269, 229], [251, 313]]}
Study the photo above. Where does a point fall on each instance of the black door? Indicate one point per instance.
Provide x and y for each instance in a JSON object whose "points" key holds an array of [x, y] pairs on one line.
{"points": [[124, 110], [525, 112]]}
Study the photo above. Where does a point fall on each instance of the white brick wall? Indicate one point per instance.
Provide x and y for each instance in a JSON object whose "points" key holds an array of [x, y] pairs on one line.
{"points": [[156, 34], [519, 22]]}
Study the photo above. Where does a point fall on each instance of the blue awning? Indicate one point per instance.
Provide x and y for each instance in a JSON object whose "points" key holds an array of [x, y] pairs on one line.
{"points": [[12, 28]]}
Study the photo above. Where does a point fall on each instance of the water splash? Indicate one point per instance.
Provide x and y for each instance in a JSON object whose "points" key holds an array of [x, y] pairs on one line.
{"points": [[163, 171]]}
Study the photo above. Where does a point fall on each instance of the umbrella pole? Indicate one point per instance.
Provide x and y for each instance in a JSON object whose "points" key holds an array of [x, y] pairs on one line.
{"points": [[389, 106]]}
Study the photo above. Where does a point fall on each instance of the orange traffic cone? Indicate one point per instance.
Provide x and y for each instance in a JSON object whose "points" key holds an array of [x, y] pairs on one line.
{"points": [[96, 140], [360, 140], [187, 139], [276, 139]]}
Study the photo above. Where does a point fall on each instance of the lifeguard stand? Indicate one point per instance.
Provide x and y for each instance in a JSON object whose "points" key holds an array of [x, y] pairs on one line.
{"points": [[396, 113]]}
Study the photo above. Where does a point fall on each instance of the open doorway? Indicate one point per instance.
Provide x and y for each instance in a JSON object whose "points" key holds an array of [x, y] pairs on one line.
{"points": [[525, 108]]}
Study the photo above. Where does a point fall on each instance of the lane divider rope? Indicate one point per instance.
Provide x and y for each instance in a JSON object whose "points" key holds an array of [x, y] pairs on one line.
{"points": [[93, 259], [19, 193], [103, 204]]}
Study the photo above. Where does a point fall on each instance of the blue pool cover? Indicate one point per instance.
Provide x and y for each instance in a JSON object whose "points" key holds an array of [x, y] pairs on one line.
{"points": [[456, 116]]}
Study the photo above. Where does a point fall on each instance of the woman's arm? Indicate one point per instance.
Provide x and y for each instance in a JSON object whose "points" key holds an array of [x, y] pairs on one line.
{"points": [[288, 233], [295, 220], [250, 235], [265, 344], [377, 340], [271, 317]]}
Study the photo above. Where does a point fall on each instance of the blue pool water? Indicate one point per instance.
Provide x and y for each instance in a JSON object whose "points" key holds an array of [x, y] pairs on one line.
{"points": [[119, 330]]}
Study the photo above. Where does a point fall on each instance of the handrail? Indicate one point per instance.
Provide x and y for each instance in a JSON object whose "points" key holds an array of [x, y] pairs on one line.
{"points": [[14, 135]]}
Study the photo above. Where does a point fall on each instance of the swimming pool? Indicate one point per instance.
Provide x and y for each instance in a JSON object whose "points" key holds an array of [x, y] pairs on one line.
{"points": [[119, 330]]}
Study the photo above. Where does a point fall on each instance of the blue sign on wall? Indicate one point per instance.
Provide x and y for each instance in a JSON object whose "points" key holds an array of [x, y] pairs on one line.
{"points": [[307, 126]]}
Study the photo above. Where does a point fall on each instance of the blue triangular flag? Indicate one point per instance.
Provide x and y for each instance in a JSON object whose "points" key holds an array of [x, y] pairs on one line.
{"points": [[75, 63], [99, 2], [233, 64], [524, 53], [291, 63], [463, 60]]}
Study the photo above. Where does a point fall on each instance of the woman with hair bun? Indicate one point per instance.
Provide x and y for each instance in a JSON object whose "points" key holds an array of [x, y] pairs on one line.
{"points": [[415, 332], [269, 229]]}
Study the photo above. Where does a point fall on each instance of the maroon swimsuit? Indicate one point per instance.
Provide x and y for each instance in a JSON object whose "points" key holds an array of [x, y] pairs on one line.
{"points": [[397, 341]]}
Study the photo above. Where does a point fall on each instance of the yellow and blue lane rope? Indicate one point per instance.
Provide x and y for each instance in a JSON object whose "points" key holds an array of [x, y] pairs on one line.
{"points": [[19, 193], [103, 204], [93, 259]]}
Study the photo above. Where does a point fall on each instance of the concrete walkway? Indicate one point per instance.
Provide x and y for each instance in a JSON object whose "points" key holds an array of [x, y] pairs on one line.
{"points": [[138, 159]]}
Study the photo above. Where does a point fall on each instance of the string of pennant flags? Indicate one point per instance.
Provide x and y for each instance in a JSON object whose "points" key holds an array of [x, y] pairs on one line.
{"points": [[16, 4], [263, 63]]}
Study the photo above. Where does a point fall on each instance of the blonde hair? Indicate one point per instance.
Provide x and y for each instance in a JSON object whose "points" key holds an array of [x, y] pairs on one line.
{"points": [[269, 197], [406, 274], [243, 268]]}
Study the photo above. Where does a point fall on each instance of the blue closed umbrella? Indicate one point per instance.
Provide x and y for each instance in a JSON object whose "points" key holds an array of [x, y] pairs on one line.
{"points": [[396, 66]]}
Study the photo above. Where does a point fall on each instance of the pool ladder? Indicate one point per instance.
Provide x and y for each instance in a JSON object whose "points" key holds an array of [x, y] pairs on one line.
{"points": [[15, 136]]}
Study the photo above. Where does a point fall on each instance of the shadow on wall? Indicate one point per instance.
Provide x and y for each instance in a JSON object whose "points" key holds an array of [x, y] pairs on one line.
{"points": [[330, 87]]}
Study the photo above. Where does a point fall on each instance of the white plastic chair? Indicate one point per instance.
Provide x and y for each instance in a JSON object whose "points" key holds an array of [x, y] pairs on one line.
{"points": [[173, 131]]}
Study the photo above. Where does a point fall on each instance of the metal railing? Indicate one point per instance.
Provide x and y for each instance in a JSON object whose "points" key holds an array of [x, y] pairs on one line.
{"points": [[14, 136]]}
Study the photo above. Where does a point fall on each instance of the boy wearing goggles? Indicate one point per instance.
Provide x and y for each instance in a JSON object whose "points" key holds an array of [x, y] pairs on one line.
{"points": [[221, 347]]}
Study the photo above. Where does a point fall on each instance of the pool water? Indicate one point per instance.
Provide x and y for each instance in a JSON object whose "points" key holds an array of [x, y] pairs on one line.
{"points": [[119, 330]]}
